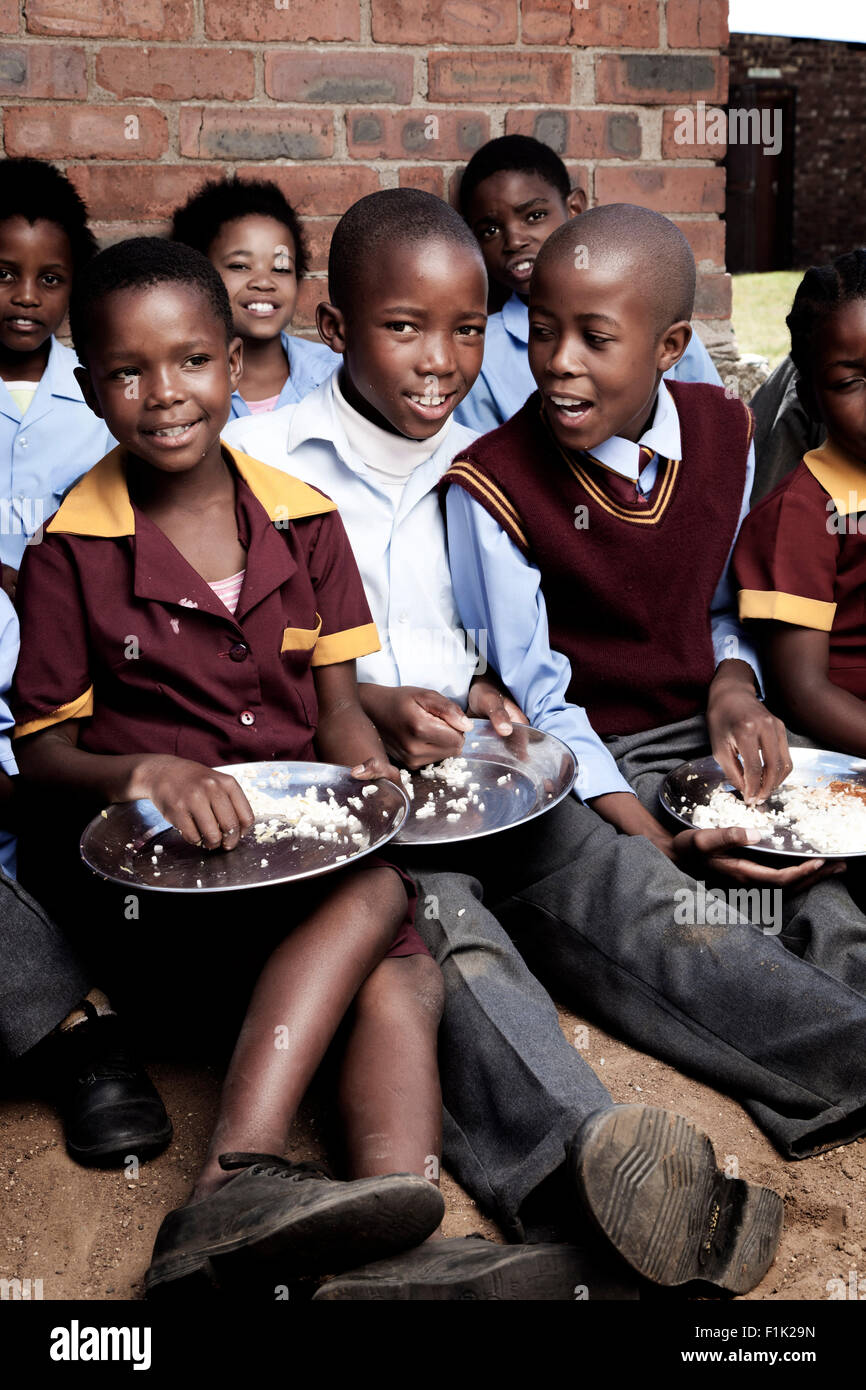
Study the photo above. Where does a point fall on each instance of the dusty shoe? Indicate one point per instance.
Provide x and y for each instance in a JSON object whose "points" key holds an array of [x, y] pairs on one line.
{"points": [[293, 1211], [475, 1268], [110, 1107], [650, 1182]]}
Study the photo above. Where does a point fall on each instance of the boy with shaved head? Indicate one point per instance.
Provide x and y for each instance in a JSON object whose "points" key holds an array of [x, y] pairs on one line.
{"points": [[590, 537]]}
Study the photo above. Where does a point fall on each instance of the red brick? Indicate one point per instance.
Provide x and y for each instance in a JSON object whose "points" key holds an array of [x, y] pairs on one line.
{"points": [[34, 70], [415, 134], [665, 188], [424, 176], [290, 21], [342, 79], [318, 232], [217, 132], [86, 132], [602, 23], [176, 74], [707, 240], [697, 23], [316, 190], [690, 120], [310, 293], [143, 192], [498, 77], [444, 21], [713, 297], [587, 134], [111, 19], [10, 11], [657, 79]]}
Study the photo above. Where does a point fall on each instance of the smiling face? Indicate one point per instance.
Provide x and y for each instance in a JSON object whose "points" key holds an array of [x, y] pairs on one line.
{"points": [[160, 373], [594, 350], [413, 338], [836, 391], [35, 282], [255, 256], [512, 214]]}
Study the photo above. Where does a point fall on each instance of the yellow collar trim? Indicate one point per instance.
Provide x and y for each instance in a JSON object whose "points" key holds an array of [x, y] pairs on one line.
{"points": [[99, 504], [841, 476]]}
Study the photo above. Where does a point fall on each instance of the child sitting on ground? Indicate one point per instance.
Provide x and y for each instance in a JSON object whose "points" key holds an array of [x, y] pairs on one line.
{"points": [[48, 437], [238, 586], [800, 562], [514, 192], [248, 230], [406, 311]]}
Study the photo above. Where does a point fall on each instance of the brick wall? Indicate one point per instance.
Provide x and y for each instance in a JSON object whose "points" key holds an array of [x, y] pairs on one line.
{"points": [[140, 100], [829, 215]]}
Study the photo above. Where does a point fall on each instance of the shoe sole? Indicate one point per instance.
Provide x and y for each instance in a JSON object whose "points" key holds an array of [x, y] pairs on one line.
{"points": [[115, 1155], [365, 1221], [557, 1273], [650, 1182]]}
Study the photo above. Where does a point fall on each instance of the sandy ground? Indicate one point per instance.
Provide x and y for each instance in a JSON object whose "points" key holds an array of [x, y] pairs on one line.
{"points": [[88, 1234]]}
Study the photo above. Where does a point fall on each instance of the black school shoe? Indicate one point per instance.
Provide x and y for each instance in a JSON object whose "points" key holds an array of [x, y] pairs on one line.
{"points": [[650, 1182], [475, 1269], [111, 1110], [293, 1212]]}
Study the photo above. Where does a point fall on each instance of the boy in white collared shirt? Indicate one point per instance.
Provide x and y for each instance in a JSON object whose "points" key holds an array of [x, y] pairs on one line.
{"points": [[375, 438], [514, 192], [48, 436]]}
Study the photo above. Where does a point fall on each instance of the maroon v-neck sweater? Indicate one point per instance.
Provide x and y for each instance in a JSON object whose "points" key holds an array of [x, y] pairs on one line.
{"points": [[628, 585]]}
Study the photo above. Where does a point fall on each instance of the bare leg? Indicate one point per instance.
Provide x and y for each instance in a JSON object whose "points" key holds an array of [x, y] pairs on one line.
{"points": [[296, 1008], [389, 1083]]}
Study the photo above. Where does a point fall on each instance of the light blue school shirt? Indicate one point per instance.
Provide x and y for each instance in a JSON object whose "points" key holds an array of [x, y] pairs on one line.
{"points": [[309, 365], [499, 591], [45, 450], [8, 658], [505, 381], [399, 545]]}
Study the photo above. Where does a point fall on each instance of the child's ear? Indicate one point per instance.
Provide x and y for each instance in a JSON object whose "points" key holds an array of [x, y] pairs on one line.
{"points": [[236, 361], [673, 344], [331, 323], [82, 376], [576, 202]]}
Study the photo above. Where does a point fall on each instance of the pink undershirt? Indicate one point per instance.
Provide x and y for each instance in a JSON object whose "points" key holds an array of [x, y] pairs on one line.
{"points": [[229, 590], [261, 407]]}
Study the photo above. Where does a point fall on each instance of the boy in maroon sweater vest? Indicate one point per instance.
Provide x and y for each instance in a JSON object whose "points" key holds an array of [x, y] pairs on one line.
{"points": [[590, 537], [624, 496]]}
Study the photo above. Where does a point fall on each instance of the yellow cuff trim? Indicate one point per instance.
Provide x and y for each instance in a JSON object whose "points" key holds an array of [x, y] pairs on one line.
{"points": [[787, 608], [346, 646], [82, 708], [300, 639]]}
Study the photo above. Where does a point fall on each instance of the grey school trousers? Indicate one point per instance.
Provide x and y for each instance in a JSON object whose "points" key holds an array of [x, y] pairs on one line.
{"points": [[597, 917], [41, 979]]}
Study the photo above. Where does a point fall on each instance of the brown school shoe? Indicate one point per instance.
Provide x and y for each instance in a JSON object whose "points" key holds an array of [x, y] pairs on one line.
{"points": [[650, 1182], [473, 1268], [295, 1212]]}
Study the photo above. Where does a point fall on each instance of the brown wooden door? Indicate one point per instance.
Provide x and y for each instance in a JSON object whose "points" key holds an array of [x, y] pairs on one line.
{"points": [[760, 187]]}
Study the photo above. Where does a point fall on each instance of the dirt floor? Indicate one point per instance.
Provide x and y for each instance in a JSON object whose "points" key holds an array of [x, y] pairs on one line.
{"points": [[89, 1234]]}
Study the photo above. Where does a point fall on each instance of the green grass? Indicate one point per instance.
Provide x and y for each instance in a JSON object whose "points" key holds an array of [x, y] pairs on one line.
{"points": [[760, 305]]}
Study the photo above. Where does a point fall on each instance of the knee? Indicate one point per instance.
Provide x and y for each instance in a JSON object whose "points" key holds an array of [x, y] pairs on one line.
{"points": [[407, 989]]}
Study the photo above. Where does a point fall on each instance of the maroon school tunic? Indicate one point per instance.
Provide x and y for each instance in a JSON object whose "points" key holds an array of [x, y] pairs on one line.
{"points": [[801, 558], [120, 632], [628, 586]]}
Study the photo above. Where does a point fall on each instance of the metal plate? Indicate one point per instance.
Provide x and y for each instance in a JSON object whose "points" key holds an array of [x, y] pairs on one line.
{"points": [[538, 771], [184, 868], [813, 767]]}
